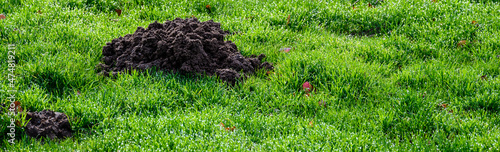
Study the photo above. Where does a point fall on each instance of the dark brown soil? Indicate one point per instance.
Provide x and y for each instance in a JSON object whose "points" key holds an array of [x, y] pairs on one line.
{"points": [[181, 45], [228, 75], [49, 124]]}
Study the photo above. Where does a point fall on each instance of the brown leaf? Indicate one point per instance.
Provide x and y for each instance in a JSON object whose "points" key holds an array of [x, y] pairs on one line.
{"points": [[434, 1], [17, 106], [18, 123], [474, 22], [322, 103], [209, 8], [230, 128], [461, 43], [118, 11], [2, 16], [288, 20], [311, 124], [39, 12], [227, 128], [484, 77], [370, 5], [444, 105]]}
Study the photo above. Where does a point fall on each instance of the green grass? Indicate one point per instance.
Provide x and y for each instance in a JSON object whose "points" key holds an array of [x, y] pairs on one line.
{"points": [[383, 73]]}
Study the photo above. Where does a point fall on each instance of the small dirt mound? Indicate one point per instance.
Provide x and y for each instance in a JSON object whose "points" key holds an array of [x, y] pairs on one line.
{"points": [[181, 45], [48, 123]]}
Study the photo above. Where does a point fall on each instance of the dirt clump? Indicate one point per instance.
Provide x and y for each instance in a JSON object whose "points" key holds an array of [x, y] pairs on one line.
{"points": [[181, 45], [228, 75], [49, 124]]}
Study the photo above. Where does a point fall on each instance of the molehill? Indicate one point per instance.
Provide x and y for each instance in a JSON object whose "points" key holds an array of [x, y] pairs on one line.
{"points": [[49, 124], [181, 45]]}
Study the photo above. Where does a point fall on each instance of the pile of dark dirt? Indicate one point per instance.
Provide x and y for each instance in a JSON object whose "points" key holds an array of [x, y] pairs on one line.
{"points": [[181, 45], [48, 123]]}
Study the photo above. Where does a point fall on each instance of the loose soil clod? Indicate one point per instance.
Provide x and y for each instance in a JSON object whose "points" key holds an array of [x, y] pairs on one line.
{"points": [[48, 123], [228, 75], [181, 45]]}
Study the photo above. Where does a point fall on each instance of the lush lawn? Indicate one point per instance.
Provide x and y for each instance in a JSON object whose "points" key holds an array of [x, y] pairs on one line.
{"points": [[393, 77]]}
